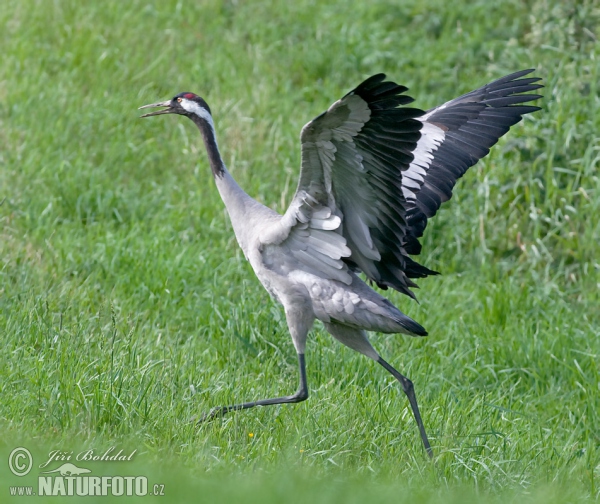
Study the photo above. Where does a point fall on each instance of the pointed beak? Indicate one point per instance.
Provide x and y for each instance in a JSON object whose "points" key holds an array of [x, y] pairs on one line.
{"points": [[167, 104]]}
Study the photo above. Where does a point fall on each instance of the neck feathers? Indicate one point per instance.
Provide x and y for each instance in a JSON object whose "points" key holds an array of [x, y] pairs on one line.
{"points": [[206, 127], [236, 200], [201, 116], [245, 213]]}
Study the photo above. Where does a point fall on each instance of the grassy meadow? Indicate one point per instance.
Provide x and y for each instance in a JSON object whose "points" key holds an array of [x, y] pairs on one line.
{"points": [[127, 308]]}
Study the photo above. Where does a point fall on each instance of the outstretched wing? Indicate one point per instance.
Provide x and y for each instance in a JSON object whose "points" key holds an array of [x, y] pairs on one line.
{"points": [[373, 173], [349, 207], [454, 137]]}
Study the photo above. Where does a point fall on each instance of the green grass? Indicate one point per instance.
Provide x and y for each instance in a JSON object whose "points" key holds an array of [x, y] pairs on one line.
{"points": [[126, 307]]}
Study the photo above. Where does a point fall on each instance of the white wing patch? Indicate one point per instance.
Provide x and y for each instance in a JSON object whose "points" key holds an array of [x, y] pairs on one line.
{"points": [[323, 219], [412, 179]]}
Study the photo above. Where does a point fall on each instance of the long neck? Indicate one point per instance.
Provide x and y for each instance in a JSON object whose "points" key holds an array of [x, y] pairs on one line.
{"points": [[207, 129], [237, 202]]}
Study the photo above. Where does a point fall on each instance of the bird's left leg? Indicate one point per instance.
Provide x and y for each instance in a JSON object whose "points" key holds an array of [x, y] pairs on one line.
{"points": [[357, 340], [409, 390], [299, 322]]}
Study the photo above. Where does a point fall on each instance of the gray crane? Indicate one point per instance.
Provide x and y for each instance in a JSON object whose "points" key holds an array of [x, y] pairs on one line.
{"points": [[372, 173]]}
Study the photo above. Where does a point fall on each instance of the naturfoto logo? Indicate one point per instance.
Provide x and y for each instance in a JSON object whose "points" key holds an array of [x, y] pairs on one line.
{"points": [[69, 479]]}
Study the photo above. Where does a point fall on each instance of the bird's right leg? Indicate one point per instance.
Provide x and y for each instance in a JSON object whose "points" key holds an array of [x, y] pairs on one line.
{"points": [[300, 395], [299, 326]]}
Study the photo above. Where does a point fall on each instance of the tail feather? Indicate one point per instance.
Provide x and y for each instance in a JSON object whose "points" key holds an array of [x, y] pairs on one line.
{"points": [[413, 328]]}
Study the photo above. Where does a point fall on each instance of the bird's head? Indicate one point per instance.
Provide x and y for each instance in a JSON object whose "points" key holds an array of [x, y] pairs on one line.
{"points": [[187, 104]]}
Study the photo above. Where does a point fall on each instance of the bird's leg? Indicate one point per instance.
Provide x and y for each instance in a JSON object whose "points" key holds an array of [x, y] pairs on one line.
{"points": [[409, 390], [300, 395]]}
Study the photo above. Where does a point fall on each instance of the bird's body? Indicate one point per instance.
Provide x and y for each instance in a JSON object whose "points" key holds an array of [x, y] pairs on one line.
{"points": [[372, 174]]}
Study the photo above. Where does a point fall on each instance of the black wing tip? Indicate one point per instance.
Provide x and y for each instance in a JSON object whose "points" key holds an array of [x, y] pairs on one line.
{"points": [[378, 78], [521, 85], [381, 93], [521, 73], [370, 83], [533, 97], [516, 75], [524, 110]]}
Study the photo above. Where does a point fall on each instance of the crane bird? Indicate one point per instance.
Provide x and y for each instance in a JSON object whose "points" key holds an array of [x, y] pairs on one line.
{"points": [[372, 173]]}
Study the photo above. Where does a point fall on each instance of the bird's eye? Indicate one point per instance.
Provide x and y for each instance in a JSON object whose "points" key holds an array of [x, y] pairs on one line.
{"points": [[179, 100]]}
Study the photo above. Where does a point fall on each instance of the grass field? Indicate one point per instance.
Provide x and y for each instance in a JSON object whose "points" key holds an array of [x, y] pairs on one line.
{"points": [[127, 308]]}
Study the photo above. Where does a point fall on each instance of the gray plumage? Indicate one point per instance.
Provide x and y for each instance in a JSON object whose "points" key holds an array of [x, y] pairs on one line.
{"points": [[372, 173]]}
